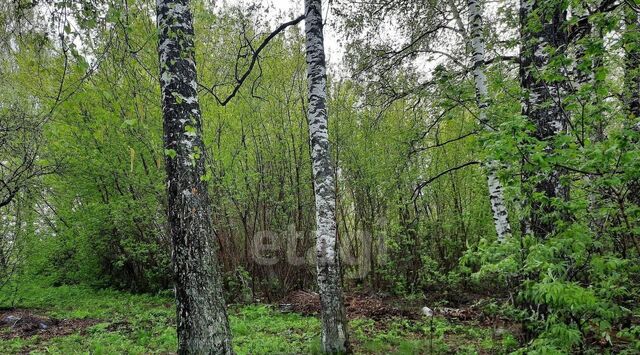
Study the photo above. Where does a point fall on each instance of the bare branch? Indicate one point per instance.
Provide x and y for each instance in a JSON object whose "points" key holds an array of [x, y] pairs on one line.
{"points": [[254, 60], [421, 185]]}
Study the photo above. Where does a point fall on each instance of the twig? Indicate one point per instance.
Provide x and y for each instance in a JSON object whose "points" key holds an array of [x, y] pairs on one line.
{"points": [[420, 186], [254, 59]]}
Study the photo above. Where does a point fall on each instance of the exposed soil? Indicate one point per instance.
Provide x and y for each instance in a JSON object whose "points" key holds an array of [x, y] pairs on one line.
{"points": [[120, 326], [357, 306], [23, 323], [303, 302], [380, 308], [374, 307]]}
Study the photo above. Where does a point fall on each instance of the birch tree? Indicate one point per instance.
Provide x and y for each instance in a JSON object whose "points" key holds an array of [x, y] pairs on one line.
{"points": [[543, 36], [334, 324], [632, 63], [631, 93], [202, 320], [496, 196]]}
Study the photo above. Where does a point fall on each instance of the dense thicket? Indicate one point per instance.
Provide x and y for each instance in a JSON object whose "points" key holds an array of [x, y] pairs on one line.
{"points": [[82, 163]]}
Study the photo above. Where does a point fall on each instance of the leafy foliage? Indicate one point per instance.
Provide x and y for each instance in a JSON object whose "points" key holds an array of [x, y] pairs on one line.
{"points": [[88, 211]]}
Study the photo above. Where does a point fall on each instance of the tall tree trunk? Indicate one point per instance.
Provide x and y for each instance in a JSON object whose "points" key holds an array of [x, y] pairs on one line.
{"points": [[585, 87], [542, 105], [496, 196], [632, 64], [631, 93], [334, 323], [202, 319]]}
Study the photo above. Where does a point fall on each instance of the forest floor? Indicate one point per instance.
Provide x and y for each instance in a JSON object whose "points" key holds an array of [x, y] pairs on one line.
{"points": [[75, 319]]}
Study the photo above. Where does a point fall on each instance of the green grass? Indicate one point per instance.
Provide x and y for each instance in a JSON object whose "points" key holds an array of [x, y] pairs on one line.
{"points": [[144, 324]]}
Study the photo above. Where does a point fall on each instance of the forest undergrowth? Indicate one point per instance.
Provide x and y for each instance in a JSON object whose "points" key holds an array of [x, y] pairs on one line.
{"points": [[79, 319], [38, 318]]}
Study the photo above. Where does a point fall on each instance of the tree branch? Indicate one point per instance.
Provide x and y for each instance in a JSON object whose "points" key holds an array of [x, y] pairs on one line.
{"points": [[421, 149], [254, 60], [421, 185]]}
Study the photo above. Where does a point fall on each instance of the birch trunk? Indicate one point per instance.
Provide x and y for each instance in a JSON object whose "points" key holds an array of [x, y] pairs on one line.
{"points": [[631, 92], [334, 324], [632, 66], [201, 316], [541, 105], [586, 87], [496, 196]]}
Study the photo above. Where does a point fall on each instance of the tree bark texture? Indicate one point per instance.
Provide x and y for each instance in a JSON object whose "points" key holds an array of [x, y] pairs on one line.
{"points": [[632, 64], [543, 30], [334, 324], [201, 315], [496, 195]]}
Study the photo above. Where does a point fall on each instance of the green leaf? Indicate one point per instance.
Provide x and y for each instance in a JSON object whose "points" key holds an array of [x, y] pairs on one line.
{"points": [[170, 153], [206, 177]]}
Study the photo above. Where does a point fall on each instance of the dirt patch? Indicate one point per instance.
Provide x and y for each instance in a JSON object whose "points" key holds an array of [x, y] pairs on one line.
{"points": [[380, 309], [374, 307], [356, 305], [23, 323], [122, 326], [303, 302], [462, 314]]}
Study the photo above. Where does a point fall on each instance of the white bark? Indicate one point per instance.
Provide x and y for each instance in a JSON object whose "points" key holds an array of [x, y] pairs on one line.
{"points": [[632, 70], [334, 325], [202, 323], [541, 104], [496, 195]]}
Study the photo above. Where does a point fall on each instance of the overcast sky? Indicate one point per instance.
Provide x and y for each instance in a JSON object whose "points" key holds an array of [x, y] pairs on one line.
{"points": [[334, 51], [332, 48]]}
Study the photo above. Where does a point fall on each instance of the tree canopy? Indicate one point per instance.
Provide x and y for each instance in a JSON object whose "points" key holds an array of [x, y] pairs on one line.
{"points": [[457, 152]]}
